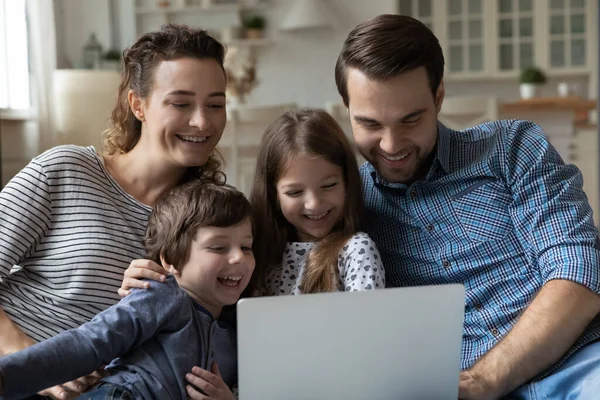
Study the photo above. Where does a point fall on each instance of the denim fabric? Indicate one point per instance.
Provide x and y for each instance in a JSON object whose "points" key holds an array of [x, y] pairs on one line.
{"points": [[106, 391], [577, 379]]}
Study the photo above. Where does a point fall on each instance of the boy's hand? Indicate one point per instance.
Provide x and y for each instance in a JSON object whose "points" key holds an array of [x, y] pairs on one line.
{"points": [[137, 270], [210, 383]]}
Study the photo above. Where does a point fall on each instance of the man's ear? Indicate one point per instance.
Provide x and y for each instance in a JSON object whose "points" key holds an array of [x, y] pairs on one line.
{"points": [[439, 96], [168, 267]]}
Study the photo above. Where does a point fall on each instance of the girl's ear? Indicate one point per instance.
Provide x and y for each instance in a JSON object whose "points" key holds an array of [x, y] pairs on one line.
{"points": [[169, 267]]}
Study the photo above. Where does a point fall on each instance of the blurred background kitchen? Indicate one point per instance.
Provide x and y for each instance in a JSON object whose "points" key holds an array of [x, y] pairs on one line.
{"points": [[537, 60]]}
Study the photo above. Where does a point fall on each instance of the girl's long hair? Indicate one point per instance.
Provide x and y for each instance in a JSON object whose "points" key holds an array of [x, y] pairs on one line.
{"points": [[313, 133]]}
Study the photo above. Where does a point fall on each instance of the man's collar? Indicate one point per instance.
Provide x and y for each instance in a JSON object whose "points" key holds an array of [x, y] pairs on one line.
{"points": [[443, 147]]}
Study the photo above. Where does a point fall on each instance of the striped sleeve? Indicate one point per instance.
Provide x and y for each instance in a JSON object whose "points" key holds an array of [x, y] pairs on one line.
{"points": [[67, 233], [25, 213]]}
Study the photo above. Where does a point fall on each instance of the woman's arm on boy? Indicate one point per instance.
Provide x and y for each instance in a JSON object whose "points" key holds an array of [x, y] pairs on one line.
{"points": [[80, 351], [360, 265], [139, 270]]}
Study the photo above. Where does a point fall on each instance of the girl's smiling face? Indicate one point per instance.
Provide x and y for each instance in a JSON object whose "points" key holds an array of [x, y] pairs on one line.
{"points": [[311, 194]]}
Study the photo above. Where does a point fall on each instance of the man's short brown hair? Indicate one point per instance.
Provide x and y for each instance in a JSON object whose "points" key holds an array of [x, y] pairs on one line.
{"points": [[176, 218], [386, 46]]}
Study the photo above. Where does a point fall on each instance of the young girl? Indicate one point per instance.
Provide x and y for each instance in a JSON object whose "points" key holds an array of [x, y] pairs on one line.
{"points": [[307, 200]]}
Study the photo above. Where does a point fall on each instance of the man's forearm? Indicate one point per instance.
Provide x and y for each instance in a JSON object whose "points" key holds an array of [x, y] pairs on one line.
{"points": [[12, 338], [547, 329]]}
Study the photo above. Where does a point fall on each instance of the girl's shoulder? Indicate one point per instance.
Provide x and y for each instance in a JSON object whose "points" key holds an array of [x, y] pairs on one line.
{"points": [[359, 247], [360, 240]]}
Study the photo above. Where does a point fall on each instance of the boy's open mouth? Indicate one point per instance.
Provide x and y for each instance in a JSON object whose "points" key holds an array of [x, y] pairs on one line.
{"points": [[230, 281]]}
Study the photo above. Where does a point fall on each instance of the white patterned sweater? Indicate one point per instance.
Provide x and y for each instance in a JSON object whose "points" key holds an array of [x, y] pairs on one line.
{"points": [[359, 265]]}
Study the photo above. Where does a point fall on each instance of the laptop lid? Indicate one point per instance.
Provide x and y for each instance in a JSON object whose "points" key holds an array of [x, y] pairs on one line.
{"points": [[396, 343]]}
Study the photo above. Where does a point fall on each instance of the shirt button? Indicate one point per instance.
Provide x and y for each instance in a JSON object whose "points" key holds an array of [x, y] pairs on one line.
{"points": [[478, 306], [446, 263], [413, 193], [495, 332], [429, 227]]}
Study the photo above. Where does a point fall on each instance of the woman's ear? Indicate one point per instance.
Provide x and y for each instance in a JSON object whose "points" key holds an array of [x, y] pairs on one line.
{"points": [[168, 267], [136, 104]]}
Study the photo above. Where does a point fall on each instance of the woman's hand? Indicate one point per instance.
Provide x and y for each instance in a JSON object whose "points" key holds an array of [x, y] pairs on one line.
{"points": [[137, 270], [71, 390], [210, 383]]}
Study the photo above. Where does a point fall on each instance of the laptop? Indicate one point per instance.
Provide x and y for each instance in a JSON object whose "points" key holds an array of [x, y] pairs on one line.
{"points": [[396, 343]]}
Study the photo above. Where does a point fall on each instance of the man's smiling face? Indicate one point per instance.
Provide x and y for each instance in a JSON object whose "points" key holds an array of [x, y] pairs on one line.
{"points": [[394, 122]]}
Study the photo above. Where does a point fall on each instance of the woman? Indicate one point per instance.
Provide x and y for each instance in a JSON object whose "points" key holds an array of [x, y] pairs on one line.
{"points": [[73, 219]]}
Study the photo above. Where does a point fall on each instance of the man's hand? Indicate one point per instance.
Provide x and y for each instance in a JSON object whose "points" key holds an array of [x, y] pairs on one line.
{"points": [[549, 326], [474, 387]]}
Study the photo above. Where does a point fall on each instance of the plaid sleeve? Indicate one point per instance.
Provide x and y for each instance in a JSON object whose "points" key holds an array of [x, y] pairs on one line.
{"points": [[550, 210]]}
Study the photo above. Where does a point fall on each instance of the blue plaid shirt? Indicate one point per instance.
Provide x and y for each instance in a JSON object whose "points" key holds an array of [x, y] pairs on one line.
{"points": [[499, 212]]}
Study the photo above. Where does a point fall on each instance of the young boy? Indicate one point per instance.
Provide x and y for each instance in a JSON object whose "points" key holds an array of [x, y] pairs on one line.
{"points": [[202, 234]]}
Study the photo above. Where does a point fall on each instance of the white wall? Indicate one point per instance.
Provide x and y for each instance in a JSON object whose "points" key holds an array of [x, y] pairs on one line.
{"points": [[19, 146], [299, 66], [76, 20]]}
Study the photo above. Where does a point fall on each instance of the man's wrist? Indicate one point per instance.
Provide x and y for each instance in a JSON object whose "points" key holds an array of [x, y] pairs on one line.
{"points": [[495, 375]]}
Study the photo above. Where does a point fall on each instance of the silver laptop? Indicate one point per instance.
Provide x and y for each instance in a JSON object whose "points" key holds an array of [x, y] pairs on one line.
{"points": [[397, 343]]}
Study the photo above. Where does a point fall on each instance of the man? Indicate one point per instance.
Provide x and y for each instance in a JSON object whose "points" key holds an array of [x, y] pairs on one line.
{"points": [[492, 207]]}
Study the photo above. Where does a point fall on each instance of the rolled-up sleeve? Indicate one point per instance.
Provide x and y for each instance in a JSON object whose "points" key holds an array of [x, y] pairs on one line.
{"points": [[550, 210]]}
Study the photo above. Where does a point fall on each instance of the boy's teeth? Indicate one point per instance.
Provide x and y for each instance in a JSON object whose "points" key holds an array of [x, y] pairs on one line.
{"points": [[232, 281], [231, 278], [195, 139]]}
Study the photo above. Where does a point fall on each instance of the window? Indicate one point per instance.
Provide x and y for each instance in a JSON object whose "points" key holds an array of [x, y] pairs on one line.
{"points": [[14, 59], [567, 33], [465, 36], [515, 33], [420, 9]]}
